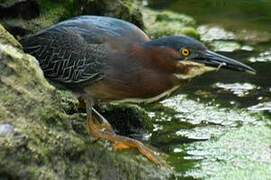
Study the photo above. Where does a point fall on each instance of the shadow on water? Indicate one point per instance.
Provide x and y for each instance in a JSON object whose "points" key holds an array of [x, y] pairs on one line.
{"points": [[218, 125]]}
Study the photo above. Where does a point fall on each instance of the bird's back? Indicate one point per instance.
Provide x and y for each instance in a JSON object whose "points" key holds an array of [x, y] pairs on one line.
{"points": [[74, 51]]}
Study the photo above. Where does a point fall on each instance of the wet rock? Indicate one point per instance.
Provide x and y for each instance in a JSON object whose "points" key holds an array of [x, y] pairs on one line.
{"points": [[166, 23]]}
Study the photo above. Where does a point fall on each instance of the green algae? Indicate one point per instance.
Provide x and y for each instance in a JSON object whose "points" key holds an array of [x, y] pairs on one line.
{"points": [[167, 23], [209, 141], [239, 154]]}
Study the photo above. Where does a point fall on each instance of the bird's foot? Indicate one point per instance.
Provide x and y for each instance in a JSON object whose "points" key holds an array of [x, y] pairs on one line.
{"points": [[102, 130], [122, 143]]}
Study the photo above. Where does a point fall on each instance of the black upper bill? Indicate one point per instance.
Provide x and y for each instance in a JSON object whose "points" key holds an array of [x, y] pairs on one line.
{"points": [[216, 60]]}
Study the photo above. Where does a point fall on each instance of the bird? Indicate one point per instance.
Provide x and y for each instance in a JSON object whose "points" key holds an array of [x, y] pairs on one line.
{"points": [[104, 59]]}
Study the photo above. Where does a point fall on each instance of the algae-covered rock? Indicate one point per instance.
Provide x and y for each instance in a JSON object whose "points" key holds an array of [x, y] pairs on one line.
{"points": [[124, 9], [167, 23], [41, 139], [40, 14], [7, 38], [21, 19]]}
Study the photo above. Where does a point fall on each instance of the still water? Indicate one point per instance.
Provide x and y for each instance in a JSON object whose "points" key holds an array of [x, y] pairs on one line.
{"points": [[219, 125]]}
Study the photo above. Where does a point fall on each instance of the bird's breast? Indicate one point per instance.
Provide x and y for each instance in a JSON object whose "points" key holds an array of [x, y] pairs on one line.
{"points": [[149, 99], [138, 86], [132, 76]]}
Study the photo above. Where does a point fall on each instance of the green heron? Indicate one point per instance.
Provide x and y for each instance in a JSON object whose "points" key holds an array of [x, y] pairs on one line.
{"points": [[103, 59]]}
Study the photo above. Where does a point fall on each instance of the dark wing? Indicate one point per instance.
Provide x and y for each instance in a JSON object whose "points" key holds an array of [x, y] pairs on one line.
{"points": [[74, 51], [68, 54]]}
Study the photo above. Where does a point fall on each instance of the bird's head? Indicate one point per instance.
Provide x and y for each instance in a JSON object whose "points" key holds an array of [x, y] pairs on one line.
{"points": [[189, 57]]}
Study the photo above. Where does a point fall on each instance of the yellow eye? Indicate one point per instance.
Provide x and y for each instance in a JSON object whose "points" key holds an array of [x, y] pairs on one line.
{"points": [[185, 52]]}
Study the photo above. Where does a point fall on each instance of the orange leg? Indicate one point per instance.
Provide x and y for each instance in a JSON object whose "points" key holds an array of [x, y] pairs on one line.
{"points": [[102, 130]]}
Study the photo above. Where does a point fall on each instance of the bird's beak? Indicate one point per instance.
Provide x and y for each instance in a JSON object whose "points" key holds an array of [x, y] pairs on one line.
{"points": [[213, 59]]}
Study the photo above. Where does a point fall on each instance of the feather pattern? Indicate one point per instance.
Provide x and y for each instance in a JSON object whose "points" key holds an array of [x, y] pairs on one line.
{"points": [[75, 51], [65, 55]]}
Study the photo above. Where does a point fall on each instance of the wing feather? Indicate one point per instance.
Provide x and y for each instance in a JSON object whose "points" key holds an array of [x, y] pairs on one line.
{"points": [[65, 56]]}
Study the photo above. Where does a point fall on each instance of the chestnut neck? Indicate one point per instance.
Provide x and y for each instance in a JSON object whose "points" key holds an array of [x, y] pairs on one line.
{"points": [[160, 56]]}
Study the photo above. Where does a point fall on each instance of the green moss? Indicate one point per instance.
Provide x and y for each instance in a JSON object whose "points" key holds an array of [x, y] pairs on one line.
{"points": [[172, 16], [51, 13], [166, 23]]}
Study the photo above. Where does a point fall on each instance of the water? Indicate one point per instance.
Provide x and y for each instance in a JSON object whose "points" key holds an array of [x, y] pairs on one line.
{"points": [[253, 14], [218, 125]]}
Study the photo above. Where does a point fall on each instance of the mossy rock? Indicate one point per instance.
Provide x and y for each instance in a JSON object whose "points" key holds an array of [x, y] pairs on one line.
{"points": [[7, 38], [124, 9], [166, 23], [38, 138], [51, 12], [47, 13]]}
